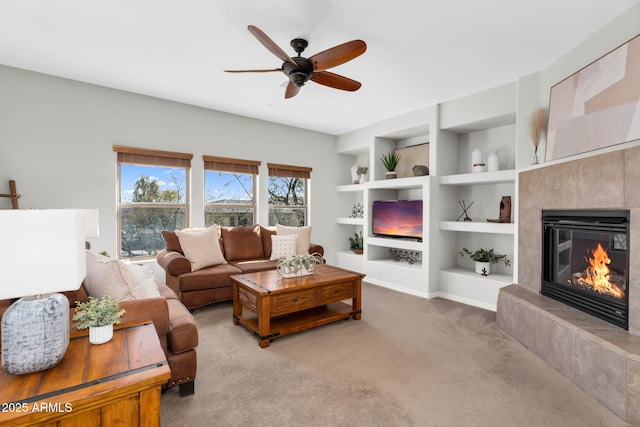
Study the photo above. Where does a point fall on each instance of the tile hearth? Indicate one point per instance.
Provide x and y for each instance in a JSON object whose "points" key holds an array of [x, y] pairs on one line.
{"points": [[600, 358]]}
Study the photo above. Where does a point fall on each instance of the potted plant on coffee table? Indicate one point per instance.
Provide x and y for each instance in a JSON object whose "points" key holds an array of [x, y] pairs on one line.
{"points": [[390, 162], [99, 315], [484, 258]]}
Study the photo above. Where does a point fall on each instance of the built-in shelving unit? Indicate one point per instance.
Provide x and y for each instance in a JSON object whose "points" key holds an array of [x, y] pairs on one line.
{"points": [[486, 121]]}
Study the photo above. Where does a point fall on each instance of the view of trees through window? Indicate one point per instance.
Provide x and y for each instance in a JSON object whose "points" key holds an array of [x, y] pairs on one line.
{"points": [[287, 201], [229, 198], [152, 199]]}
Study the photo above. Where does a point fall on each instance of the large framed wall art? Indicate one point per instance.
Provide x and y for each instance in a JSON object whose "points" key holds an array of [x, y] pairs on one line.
{"points": [[598, 106]]}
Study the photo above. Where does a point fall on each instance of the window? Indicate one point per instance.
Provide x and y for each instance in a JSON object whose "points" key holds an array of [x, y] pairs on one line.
{"points": [[288, 200], [229, 191], [153, 195]]}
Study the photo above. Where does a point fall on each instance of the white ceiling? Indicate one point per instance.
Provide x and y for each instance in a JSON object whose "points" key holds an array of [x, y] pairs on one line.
{"points": [[420, 52]]}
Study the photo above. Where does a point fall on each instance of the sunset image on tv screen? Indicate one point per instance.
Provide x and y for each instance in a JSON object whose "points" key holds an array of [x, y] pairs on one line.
{"points": [[398, 218]]}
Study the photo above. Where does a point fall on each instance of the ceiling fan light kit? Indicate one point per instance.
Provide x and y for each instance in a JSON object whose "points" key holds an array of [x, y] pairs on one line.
{"points": [[300, 70]]}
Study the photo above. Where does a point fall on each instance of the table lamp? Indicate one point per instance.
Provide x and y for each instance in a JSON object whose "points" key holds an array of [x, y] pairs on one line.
{"points": [[42, 253], [90, 225]]}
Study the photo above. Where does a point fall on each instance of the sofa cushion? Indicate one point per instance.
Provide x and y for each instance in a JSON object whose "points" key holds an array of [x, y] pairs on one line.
{"points": [[303, 233], [201, 247], [283, 246], [266, 233], [243, 242], [183, 332], [171, 241], [104, 277], [207, 278]]}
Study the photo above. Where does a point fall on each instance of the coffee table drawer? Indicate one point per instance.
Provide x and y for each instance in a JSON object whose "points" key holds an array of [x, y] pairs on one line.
{"points": [[335, 293], [288, 303], [247, 299]]}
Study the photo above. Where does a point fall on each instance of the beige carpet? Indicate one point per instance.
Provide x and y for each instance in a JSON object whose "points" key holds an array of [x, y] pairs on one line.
{"points": [[408, 362]]}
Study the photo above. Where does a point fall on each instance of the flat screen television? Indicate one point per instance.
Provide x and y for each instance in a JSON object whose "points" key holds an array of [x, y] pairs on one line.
{"points": [[397, 218]]}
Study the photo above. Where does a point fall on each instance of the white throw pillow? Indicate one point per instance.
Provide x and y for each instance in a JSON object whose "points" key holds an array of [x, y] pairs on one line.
{"points": [[140, 280], [283, 246], [201, 247], [105, 278], [303, 233]]}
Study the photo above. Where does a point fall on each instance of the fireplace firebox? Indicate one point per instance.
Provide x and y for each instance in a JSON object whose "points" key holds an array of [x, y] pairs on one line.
{"points": [[585, 261]]}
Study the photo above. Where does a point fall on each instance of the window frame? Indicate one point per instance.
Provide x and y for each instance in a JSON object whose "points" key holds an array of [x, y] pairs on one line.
{"points": [[277, 170], [232, 165], [152, 158]]}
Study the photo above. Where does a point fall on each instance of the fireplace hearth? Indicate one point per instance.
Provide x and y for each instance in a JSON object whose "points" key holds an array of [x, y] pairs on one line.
{"points": [[585, 261]]}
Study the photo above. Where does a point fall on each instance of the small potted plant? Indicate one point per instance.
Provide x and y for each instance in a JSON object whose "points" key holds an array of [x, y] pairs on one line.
{"points": [[390, 161], [299, 265], [99, 315], [356, 243], [361, 172], [484, 258]]}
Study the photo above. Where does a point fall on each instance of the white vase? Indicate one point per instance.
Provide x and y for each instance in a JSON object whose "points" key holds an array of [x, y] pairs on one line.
{"points": [[483, 268], [100, 334]]}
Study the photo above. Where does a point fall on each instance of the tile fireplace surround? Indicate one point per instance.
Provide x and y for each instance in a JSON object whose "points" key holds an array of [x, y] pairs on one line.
{"points": [[600, 358]]}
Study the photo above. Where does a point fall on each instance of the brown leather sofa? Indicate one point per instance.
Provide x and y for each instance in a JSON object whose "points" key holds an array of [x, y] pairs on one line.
{"points": [[246, 249], [175, 325]]}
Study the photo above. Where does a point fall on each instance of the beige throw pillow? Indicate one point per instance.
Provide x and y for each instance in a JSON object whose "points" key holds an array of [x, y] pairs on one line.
{"points": [[118, 279], [201, 247], [140, 280], [283, 246], [303, 233], [104, 277]]}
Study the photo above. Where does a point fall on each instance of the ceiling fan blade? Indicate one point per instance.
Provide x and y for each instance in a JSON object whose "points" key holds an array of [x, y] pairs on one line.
{"points": [[291, 91], [337, 55], [270, 44], [335, 81], [253, 71]]}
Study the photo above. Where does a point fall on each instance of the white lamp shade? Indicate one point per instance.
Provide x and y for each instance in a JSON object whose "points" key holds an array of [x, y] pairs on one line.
{"points": [[41, 251]]}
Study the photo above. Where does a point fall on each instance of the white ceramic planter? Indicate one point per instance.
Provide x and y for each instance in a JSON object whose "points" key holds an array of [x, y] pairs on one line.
{"points": [[100, 334], [483, 268]]}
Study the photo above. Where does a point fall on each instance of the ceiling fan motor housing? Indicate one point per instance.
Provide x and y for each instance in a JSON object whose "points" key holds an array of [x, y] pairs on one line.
{"points": [[298, 75]]}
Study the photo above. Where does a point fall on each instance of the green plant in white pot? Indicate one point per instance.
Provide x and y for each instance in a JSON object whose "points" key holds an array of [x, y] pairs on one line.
{"points": [[390, 162], [99, 315], [484, 258]]}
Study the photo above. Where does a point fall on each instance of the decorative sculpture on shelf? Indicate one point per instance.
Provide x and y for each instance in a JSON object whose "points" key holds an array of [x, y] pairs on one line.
{"points": [[505, 211], [400, 254], [464, 213]]}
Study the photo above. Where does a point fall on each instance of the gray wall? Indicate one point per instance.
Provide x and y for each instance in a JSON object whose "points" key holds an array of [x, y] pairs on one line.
{"points": [[56, 138]]}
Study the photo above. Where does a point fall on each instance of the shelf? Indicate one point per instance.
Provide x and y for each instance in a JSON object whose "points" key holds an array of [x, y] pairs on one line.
{"points": [[479, 178], [388, 262], [478, 227], [386, 242], [350, 188], [399, 183], [503, 279], [350, 221]]}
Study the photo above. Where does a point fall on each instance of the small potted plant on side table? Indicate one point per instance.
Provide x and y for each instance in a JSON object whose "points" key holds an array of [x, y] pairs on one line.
{"points": [[390, 161], [484, 258], [99, 315]]}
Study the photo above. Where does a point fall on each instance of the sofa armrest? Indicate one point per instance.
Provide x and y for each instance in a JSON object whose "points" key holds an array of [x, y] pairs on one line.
{"points": [[155, 309], [315, 248], [174, 263]]}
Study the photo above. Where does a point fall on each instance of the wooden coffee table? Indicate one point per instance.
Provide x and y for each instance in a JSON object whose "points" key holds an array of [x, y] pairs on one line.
{"points": [[272, 306]]}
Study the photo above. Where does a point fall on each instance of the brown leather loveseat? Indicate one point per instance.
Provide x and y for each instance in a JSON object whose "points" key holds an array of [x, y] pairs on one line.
{"points": [[245, 248]]}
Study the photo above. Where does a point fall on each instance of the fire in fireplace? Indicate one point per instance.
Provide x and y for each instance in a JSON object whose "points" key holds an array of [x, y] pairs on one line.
{"points": [[585, 261]]}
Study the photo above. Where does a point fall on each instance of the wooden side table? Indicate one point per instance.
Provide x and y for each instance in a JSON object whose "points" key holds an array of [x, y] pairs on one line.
{"points": [[116, 383]]}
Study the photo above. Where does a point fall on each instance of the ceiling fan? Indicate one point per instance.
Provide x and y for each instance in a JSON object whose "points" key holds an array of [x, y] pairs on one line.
{"points": [[300, 70]]}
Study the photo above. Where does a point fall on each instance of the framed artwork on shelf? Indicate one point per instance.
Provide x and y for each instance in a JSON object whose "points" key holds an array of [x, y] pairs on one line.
{"points": [[414, 155]]}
